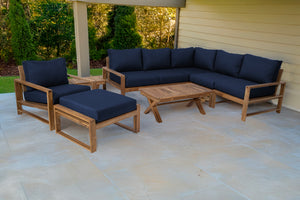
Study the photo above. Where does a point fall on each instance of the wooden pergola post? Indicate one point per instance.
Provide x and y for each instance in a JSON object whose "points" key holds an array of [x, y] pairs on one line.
{"points": [[81, 38]]}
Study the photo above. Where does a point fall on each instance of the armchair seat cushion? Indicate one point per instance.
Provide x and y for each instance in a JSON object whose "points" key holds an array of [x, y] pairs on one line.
{"points": [[99, 104], [236, 87], [58, 91]]}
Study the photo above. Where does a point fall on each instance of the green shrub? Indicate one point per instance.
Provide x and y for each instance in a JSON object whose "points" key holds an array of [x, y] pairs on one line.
{"points": [[21, 37]]}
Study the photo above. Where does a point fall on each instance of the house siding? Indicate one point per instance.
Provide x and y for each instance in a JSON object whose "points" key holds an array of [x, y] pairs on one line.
{"points": [[269, 28]]}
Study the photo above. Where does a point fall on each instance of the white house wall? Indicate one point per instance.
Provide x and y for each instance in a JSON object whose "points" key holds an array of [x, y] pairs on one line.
{"points": [[268, 28]]}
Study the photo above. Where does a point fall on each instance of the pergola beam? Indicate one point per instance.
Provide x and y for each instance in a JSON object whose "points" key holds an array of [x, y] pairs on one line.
{"points": [[156, 3]]}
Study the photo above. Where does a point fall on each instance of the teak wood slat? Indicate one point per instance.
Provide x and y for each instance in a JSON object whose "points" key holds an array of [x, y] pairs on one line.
{"points": [[88, 122]]}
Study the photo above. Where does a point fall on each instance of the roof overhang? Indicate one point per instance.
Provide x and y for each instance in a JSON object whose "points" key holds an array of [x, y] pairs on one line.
{"points": [[156, 3]]}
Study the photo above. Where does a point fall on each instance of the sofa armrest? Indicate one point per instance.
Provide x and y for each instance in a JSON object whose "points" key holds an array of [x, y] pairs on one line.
{"points": [[265, 85], [249, 87], [106, 72], [32, 85]]}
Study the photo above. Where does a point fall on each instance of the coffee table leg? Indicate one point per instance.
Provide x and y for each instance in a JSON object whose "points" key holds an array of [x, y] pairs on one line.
{"points": [[199, 105], [153, 107]]}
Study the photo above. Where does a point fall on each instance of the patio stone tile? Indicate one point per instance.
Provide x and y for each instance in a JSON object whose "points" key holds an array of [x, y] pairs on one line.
{"points": [[176, 178], [256, 175]]}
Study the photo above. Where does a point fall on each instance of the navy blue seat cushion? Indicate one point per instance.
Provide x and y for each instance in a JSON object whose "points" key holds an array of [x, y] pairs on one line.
{"points": [[58, 91], [99, 104], [236, 87], [171, 76], [46, 73], [191, 70], [206, 78], [125, 60], [137, 78], [258, 69], [183, 57], [228, 63], [156, 58], [204, 58]]}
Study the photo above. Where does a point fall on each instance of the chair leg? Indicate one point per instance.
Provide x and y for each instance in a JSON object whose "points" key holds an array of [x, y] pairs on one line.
{"points": [[245, 104], [19, 97], [280, 100], [50, 110]]}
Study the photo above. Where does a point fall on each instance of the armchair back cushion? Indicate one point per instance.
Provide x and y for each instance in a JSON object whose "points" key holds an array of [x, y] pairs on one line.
{"points": [[156, 58], [228, 63], [182, 57], [46, 73], [204, 58], [125, 60], [258, 69]]}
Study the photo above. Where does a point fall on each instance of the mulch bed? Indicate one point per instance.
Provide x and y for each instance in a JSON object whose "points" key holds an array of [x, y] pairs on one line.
{"points": [[11, 69]]}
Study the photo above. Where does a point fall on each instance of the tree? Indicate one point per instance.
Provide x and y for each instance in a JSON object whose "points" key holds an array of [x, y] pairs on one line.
{"points": [[157, 26], [54, 27], [21, 37], [125, 33], [5, 34]]}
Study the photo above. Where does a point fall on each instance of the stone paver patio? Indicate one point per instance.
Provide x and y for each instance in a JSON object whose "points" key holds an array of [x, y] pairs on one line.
{"points": [[188, 156]]}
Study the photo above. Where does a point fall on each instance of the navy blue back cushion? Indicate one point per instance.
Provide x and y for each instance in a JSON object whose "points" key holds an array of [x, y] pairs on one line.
{"points": [[258, 69], [228, 63], [204, 58], [46, 73], [125, 60], [182, 57], [156, 58]]}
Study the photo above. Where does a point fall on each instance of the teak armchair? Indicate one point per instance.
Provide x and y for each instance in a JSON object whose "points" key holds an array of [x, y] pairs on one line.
{"points": [[41, 85]]}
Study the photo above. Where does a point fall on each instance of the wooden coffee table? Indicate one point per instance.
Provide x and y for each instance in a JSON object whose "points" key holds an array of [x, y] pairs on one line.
{"points": [[182, 92]]}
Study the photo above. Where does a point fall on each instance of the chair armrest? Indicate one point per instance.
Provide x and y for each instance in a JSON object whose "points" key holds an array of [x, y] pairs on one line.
{"points": [[265, 85], [32, 85], [106, 69]]}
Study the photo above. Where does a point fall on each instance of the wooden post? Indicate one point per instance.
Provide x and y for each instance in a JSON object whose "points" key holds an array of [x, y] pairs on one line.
{"points": [[81, 38]]}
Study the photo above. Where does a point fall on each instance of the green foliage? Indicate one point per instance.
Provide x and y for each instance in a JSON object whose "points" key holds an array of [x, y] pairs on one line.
{"points": [[21, 37], [53, 27], [156, 26], [125, 33], [5, 35]]}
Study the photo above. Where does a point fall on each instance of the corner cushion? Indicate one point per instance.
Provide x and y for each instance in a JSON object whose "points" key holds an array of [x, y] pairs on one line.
{"points": [[58, 91], [228, 63], [156, 58], [99, 104], [206, 78], [183, 57], [125, 60], [204, 58], [46, 73], [259, 69]]}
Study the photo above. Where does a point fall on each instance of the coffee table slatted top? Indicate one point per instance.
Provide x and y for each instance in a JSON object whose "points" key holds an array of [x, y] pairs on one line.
{"points": [[175, 92]]}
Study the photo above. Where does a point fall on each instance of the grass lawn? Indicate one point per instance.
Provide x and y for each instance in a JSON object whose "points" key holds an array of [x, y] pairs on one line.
{"points": [[7, 82]]}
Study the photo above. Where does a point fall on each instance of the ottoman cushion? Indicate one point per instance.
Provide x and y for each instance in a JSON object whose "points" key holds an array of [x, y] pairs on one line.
{"points": [[99, 104]]}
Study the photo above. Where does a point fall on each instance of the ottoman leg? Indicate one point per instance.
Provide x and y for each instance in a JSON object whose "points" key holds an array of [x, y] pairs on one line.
{"points": [[136, 120], [93, 137]]}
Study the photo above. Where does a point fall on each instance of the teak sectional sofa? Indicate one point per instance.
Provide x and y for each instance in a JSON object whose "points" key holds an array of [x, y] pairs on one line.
{"points": [[244, 79]]}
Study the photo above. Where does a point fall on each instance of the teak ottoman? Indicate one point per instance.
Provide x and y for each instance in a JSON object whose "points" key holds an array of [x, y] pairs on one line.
{"points": [[95, 109]]}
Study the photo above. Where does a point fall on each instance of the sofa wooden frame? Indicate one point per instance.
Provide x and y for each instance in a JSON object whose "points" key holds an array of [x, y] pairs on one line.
{"points": [[20, 88], [245, 102]]}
